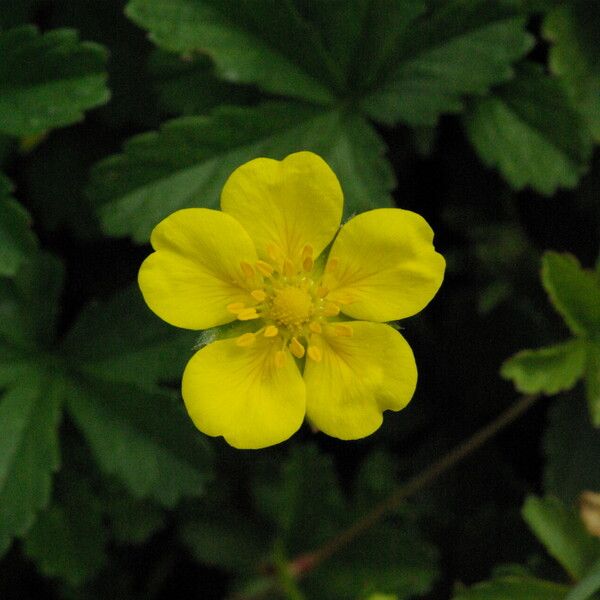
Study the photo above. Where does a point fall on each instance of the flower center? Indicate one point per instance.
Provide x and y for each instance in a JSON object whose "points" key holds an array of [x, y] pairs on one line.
{"points": [[292, 307]]}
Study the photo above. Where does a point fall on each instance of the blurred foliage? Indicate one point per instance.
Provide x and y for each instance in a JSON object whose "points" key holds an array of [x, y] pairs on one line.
{"points": [[481, 115]]}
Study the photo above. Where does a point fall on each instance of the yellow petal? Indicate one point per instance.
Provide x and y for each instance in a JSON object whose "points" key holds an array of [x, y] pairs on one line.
{"points": [[241, 394], [196, 270], [286, 204], [357, 379], [384, 265]]}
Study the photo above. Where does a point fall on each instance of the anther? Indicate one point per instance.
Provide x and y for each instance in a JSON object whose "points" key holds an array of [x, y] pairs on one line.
{"points": [[247, 269], [307, 251], [331, 310], [264, 267], [296, 348], [332, 264], [343, 330], [236, 307], [279, 358], [315, 327], [273, 251], [288, 268], [258, 295], [314, 353], [307, 264], [245, 340], [344, 299], [322, 291], [271, 331], [247, 314]]}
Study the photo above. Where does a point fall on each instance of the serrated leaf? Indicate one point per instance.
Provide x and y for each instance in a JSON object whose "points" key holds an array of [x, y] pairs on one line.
{"points": [[514, 588], [121, 340], [264, 42], [16, 238], [427, 75], [530, 131], [572, 447], [29, 450], [187, 162], [572, 28], [48, 80], [592, 382], [548, 370], [68, 539], [574, 291], [561, 531], [187, 85], [143, 438]]}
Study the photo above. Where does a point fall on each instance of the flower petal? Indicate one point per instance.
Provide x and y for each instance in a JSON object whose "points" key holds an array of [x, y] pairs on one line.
{"points": [[195, 272], [357, 378], [241, 394], [288, 203], [383, 266]]}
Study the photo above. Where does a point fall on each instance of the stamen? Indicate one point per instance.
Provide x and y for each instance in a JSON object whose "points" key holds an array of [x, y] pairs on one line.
{"points": [[258, 295], [322, 291], [245, 340], [331, 310], [247, 269], [296, 348], [288, 268], [314, 353], [247, 314], [264, 267], [236, 307], [307, 264], [279, 358], [315, 327], [273, 251], [271, 331], [332, 265], [343, 330], [307, 251]]}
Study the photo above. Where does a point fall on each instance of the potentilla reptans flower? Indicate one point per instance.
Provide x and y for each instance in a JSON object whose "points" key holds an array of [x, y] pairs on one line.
{"points": [[314, 341]]}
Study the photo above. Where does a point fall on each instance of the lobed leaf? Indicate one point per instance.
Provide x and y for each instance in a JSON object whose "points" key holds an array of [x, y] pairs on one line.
{"points": [[530, 131], [514, 588], [48, 80]]}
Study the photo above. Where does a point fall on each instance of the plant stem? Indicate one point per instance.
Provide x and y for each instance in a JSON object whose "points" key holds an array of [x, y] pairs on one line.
{"points": [[307, 562]]}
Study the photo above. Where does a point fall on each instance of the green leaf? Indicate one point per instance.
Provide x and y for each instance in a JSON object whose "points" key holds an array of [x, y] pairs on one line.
{"points": [[178, 80], [561, 531], [514, 588], [530, 131], [48, 80], [573, 28], [143, 438], [575, 292], [16, 238], [68, 539], [264, 42], [427, 75], [121, 340], [587, 587], [187, 162], [592, 382], [29, 450], [547, 370], [572, 447]]}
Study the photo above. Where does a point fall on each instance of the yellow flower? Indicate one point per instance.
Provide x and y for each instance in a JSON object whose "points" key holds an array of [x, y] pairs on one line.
{"points": [[258, 261]]}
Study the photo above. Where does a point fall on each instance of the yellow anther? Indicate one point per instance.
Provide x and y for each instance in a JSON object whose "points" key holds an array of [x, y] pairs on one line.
{"points": [[271, 331], [245, 340], [273, 251], [344, 299], [258, 295], [264, 267], [314, 353], [279, 358], [288, 268], [343, 330], [236, 307], [332, 265], [247, 314], [322, 291], [247, 269], [331, 310], [307, 251], [308, 263], [296, 348], [315, 327]]}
